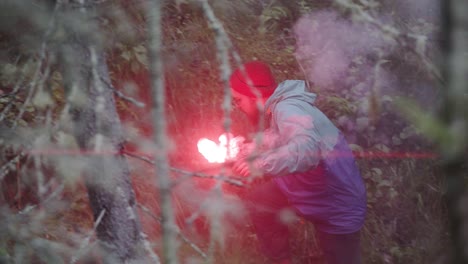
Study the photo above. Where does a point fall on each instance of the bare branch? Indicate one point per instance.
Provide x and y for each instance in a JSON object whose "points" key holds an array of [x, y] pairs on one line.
{"points": [[39, 175], [189, 174], [148, 248], [25, 104], [153, 9], [215, 225], [85, 242], [51, 196], [224, 67], [6, 168], [184, 238], [223, 43], [123, 96], [42, 57], [196, 214], [221, 177]]}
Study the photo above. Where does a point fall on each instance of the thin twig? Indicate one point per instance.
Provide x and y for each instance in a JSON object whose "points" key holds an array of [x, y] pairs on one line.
{"points": [[42, 55], [224, 67], [216, 225], [85, 242], [6, 110], [123, 96], [224, 43], [148, 248], [221, 177], [5, 169], [189, 174], [185, 239], [142, 158], [225, 70], [25, 104], [306, 78], [100, 106], [196, 214], [14, 92], [39, 175], [54, 194], [16, 89]]}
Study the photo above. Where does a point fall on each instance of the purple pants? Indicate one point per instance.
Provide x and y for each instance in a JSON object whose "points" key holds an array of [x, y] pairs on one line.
{"points": [[265, 201]]}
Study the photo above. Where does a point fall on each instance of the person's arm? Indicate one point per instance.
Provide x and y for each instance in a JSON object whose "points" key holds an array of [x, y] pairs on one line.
{"points": [[299, 149]]}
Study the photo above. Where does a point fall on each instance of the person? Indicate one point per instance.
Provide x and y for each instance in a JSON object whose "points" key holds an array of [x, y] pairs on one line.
{"points": [[306, 166]]}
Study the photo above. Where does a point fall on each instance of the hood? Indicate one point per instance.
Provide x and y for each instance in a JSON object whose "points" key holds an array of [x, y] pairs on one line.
{"points": [[290, 89]]}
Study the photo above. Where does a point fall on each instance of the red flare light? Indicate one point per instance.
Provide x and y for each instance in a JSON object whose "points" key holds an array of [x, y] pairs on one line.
{"points": [[222, 151]]}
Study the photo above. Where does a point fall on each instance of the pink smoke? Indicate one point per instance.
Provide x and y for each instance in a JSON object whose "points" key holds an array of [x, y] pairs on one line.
{"points": [[328, 44]]}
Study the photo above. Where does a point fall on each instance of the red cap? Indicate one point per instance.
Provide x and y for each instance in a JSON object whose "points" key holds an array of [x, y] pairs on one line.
{"points": [[260, 77]]}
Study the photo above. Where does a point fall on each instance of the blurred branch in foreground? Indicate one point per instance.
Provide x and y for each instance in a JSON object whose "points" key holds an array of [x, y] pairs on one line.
{"points": [[454, 114]]}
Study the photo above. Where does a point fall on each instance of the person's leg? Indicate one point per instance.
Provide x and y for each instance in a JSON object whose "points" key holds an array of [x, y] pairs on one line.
{"points": [[341, 248], [264, 203]]}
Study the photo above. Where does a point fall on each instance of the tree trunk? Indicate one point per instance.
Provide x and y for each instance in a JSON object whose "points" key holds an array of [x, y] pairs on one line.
{"points": [[97, 128]]}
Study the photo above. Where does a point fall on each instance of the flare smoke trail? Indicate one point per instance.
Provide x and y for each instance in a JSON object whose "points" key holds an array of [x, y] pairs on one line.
{"points": [[340, 53], [359, 62], [328, 44]]}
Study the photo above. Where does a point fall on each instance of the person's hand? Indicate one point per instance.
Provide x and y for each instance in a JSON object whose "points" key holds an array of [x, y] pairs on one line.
{"points": [[246, 149], [246, 163], [247, 166], [241, 167]]}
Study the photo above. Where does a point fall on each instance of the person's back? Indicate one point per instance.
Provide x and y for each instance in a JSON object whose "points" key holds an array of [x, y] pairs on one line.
{"points": [[332, 192]]}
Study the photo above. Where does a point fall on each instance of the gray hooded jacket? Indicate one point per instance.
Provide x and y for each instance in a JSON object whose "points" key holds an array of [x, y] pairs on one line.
{"points": [[311, 161]]}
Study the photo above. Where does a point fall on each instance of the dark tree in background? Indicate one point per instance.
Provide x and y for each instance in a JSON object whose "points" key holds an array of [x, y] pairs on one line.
{"points": [[72, 44], [98, 130]]}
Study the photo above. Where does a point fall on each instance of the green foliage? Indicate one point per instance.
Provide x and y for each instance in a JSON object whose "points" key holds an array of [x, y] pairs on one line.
{"points": [[452, 141]]}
